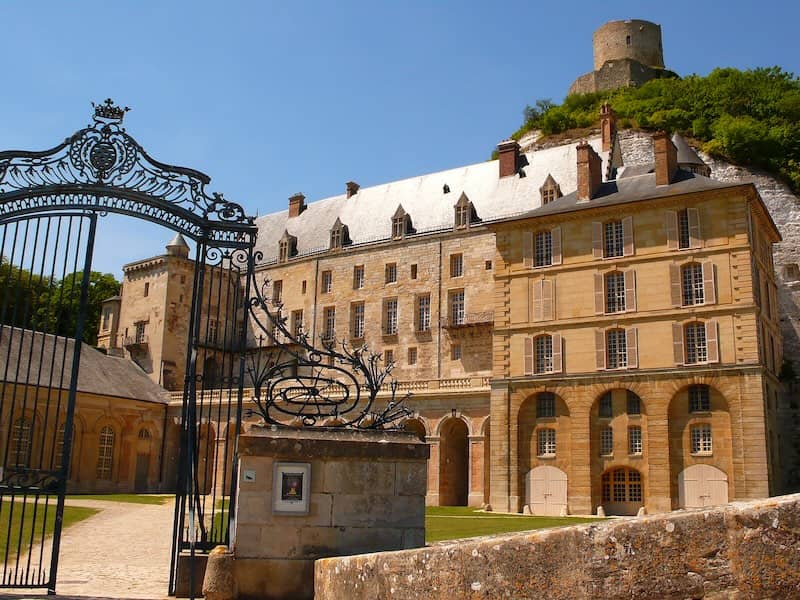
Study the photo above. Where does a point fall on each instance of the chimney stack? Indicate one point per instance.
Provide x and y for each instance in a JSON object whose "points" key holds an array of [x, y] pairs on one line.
{"points": [[608, 125], [666, 156], [297, 204], [352, 188], [508, 152], [590, 172]]}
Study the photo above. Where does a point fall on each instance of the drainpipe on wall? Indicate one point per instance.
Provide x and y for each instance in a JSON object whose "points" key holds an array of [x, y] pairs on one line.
{"points": [[314, 309]]}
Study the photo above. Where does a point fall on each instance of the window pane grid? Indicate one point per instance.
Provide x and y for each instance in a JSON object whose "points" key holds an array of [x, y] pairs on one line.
{"points": [[612, 239], [615, 292], [634, 440], [330, 322], [606, 441], [546, 442], [424, 313], [391, 317], [696, 348], [616, 349], [692, 279], [634, 404], [606, 405], [105, 453], [699, 398], [457, 307], [543, 249], [358, 321], [544, 354], [545, 405], [358, 277], [701, 439], [683, 229], [625, 487]]}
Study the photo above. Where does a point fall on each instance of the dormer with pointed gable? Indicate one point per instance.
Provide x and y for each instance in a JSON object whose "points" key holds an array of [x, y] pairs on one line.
{"points": [[287, 247], [401, 223], [550, 190], [340, 235], [464, 212]]}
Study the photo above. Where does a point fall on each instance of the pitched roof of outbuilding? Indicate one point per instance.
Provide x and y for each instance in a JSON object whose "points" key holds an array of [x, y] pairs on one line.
{"points": [[41, 359], [368, 213]]}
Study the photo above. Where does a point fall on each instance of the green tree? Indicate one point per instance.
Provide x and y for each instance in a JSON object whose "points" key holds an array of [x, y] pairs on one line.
{"points": [[58, 308], [20, 294], [747, 117]]}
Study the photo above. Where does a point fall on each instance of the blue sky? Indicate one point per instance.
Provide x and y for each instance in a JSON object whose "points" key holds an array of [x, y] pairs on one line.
{"points": [[271, 98]]}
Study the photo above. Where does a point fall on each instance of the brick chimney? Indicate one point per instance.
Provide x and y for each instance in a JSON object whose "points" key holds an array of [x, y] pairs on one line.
{"points": [[508, 152], [608, 125], [590, 175], [666, 158], [352, 188], [297, 204]]}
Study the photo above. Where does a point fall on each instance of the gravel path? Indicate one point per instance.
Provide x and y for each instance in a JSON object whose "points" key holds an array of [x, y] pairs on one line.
{"points": [[122, 552]]}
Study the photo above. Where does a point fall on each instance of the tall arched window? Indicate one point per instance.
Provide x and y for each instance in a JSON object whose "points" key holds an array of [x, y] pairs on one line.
{"points": [[21, 443], [105, 453]]}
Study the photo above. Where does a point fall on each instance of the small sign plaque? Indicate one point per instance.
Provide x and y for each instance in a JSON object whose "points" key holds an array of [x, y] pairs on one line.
{"points": [[291, 488], [248, 476]]}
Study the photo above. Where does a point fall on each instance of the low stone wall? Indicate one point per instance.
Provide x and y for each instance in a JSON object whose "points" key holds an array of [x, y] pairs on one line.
{"points": [[741, 550]]}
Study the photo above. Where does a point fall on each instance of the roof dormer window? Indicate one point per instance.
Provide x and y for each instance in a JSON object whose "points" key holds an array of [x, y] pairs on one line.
{"points": [[339, 235], [401, 223], [287, 247], [550, 190], [464, 212]]}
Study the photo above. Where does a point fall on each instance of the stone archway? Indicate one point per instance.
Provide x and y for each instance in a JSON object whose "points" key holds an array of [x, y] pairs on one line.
{"points": [[453, 463], [622, 491]]}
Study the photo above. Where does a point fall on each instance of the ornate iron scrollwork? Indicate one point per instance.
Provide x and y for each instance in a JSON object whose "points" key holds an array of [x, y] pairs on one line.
{"points": [[102, 166], [299, 383]]}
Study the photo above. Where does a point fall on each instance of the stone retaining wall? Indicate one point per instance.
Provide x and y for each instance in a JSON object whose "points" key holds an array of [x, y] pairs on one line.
{"points": [[741, 550]]}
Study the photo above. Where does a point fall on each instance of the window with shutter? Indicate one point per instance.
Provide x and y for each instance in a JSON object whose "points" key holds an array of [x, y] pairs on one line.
{"points": [[693, 218], [709, 284], [555, 241], [527, 249]]}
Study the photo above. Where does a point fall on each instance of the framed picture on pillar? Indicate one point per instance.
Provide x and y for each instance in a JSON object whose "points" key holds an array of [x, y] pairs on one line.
{"points": [[291, 488]]}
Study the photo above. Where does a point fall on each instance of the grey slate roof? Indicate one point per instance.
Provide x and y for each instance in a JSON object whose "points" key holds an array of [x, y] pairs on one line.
{"points": [[686, 154], [368, 213], [43, 359], [631, 189]]}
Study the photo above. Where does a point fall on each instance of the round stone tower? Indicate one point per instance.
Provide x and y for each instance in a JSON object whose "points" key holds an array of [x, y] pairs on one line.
{"points": [[633, 38]]}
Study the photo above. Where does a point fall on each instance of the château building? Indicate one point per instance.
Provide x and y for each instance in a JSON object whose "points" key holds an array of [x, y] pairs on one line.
{"points": [[575, 332]]}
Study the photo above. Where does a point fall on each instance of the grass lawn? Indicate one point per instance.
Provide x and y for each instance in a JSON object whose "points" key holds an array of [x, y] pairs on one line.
{"points": [[132, 498], [456, 522], [26, 525]]}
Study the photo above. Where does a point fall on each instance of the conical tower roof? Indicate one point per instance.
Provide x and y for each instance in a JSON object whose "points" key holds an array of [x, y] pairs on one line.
{"points": [[178, 246], [178, 242]]}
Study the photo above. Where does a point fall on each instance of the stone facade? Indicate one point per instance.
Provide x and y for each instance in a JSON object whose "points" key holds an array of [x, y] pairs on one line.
{"points": [[742, 550], [464, 360]]}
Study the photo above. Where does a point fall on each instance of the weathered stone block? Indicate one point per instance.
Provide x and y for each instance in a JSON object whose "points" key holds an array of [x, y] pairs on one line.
{"points": [[411, 479], [351, 477], [361, 510]]}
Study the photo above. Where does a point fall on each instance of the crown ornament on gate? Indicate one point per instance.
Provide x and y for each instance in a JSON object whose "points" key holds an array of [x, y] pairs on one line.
{"points": [[108, 111]]}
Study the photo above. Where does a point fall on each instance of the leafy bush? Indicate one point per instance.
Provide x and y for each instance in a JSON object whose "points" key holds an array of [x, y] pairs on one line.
{"points": [[746, 117]]}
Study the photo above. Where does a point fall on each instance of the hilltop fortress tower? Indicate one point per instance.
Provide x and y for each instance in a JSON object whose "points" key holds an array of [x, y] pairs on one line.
{"points": [[626, 53]]}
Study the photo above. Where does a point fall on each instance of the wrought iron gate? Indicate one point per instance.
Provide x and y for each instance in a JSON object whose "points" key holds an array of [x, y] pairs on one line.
{"points": [[50, 205]]}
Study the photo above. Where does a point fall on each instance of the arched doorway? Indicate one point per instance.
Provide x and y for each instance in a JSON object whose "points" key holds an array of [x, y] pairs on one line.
{"points": [[141, 482], [415, 426], [622, 491], [546, 491], [453, 463], [702, 485]]}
